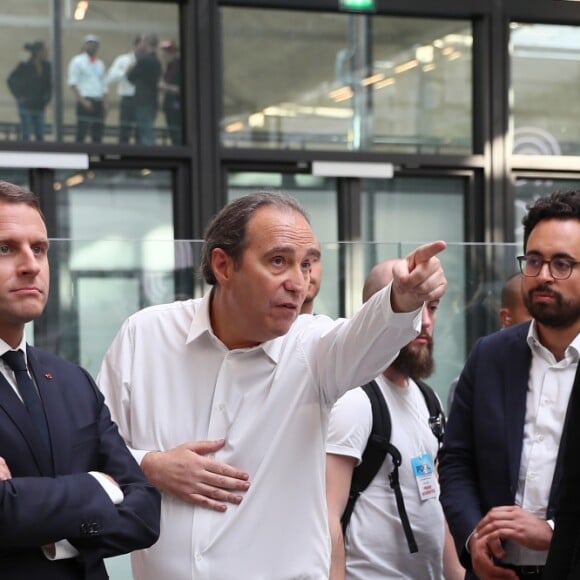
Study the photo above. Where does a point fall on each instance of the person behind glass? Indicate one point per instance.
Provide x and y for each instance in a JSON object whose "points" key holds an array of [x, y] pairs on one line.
{"points": [[31, 85], [315, 282], [117, 73], [145, 75], [71, 494], [512, 311], [238, 378], [86, 78], [500, 467], [170, 86], [357, 555]]}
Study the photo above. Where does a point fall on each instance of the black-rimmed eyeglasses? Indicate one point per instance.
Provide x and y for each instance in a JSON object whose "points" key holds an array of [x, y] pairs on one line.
{"points": [[560, 268]]}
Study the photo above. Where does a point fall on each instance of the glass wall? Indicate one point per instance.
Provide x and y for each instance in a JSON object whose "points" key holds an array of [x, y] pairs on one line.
{"points": [[545, 67], [121, 255], [93, 48], [311, 80]]}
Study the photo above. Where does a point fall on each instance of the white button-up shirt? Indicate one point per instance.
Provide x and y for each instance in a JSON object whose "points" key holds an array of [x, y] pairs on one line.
{"points": [[87, 75], [550, 386], [168, 379], [117, 74]]}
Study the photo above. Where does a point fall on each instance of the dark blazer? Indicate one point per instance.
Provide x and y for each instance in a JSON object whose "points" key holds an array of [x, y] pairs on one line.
{"points": [[480, 458], [563, 561], [50, 499]]}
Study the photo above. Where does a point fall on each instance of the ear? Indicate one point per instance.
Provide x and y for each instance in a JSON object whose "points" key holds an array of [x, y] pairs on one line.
{"points": [[505, 317], [222, 265]]}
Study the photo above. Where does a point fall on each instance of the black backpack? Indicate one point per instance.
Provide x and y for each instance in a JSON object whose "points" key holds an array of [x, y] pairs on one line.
{"points": [[379, 445]]}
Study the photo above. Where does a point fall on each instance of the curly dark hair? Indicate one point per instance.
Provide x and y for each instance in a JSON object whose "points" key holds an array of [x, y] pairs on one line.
{"points": [[560, 205], [227, 230]]}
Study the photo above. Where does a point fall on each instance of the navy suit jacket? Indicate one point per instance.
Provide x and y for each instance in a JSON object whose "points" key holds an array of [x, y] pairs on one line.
{"points": [[480, 459], [50, 499]]}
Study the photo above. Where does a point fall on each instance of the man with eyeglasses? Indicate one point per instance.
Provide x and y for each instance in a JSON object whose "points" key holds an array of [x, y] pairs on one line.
{"points": [[500, 465]]}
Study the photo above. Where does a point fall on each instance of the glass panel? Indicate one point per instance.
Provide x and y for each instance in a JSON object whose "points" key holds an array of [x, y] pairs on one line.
{"points": [[407, 212], [120, 223], [318, 196], [546, 114], [37, 101], [377, 83], [120, 35], [25, 95], [469, 297]]}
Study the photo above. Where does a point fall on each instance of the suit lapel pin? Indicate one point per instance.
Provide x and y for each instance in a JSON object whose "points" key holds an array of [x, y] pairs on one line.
{"points": [[47, 376]]}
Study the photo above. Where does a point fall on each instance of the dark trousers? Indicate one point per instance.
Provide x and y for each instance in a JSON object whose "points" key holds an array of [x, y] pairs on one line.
{"points": [[92, 121], [127, 120]]}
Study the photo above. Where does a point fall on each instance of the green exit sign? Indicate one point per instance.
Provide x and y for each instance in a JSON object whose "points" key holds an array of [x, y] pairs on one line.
{"points": [[358, 5]]}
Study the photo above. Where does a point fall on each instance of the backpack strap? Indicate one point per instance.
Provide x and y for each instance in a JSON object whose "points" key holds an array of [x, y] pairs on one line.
{"points": [[378, 445], [436, 415]]}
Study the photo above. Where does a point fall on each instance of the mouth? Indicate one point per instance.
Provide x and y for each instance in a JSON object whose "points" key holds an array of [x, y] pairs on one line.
{"points": [[544, 297], [28, 291], [288, 306]]}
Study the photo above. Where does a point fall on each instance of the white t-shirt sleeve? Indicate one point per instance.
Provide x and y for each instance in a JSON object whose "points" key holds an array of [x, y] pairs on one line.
{"points": [[350, 425]]}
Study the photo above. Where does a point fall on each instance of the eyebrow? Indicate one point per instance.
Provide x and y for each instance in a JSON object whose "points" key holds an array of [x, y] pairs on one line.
{"points": [[556, 255]]}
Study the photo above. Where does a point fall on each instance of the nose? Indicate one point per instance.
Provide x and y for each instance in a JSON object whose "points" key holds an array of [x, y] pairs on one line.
{"points": [[297, 280], [545, 273], [28, 262]]}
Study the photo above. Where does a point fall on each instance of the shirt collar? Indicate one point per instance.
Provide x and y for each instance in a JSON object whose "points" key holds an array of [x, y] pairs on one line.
{"points": [[572, 351], [201, 325], [5, 347]]}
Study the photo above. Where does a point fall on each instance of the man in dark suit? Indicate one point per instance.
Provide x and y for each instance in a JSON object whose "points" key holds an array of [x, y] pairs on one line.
{"points": [[500, 472], [70, 492]]}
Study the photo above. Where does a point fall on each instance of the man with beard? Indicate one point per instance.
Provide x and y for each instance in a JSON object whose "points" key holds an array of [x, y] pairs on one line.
{"points": [[500, 465], [374, 545]]}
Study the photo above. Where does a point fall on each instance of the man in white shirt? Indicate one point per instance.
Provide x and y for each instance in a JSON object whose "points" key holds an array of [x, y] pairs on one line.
{"points": [[375, 546], [241, 374], [86, 78], [500, 470], [117, 73]]}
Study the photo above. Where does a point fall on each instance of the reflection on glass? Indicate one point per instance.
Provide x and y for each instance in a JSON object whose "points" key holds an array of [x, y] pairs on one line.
{"points": [[376, 82], [75, 99], [546, 114]]}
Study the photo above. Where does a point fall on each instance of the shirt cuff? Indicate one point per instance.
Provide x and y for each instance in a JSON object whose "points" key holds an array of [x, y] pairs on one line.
{"points": [[114, 493], [550, 523], [62, 550]]}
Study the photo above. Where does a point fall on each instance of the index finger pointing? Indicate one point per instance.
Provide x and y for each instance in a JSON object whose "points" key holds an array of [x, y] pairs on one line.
{"points": [[425, 252]]}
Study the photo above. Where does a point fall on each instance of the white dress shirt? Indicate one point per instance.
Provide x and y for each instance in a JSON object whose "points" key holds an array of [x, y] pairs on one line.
{"points": [[550, 386], [168, 379], [117, 74], [87, 75]]}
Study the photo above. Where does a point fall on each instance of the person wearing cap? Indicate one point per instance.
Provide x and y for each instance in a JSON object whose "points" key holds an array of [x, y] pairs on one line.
{"points": [[86, 78], [170, 86], [117, 73]]}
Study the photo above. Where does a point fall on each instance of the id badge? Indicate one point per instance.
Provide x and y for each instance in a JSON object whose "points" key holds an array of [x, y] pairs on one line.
{"points": [[424, 476]]}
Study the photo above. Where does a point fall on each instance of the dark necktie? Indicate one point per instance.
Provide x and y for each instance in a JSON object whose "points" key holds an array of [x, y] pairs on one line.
{"points": [[15, 360]]}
